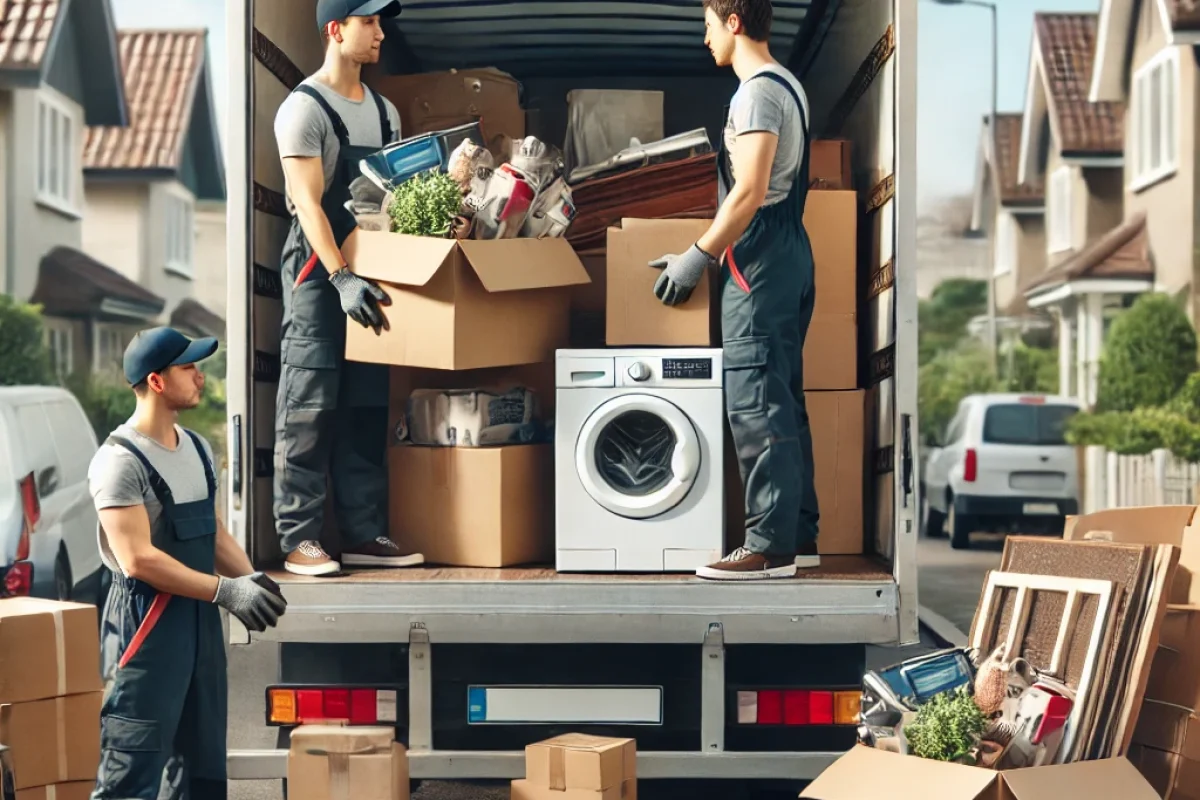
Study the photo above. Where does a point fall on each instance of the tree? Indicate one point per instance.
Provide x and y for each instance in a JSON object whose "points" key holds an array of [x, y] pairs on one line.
{"points": [[1150, 353], [947, 379], [942, 319], [24, 358]]}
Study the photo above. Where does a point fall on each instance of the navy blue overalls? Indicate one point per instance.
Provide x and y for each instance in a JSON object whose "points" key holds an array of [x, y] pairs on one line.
{"points": [[330, 413], [163, 658], [767, 296]]}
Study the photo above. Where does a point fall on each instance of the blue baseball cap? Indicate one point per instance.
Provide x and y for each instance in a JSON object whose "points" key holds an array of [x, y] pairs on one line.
{"points": [[155, 349], [332, 10]]}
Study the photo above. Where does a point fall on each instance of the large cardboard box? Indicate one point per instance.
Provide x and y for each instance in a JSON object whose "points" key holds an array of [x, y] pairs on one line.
{"points": [[837, 421], [831, 353], [333, 762], [77, 790], [580, 761], [525, 790], [53, 741], [1173, 776], [47, 648], [864, 773], [1173, 729], [464, 304], [473, 506]]}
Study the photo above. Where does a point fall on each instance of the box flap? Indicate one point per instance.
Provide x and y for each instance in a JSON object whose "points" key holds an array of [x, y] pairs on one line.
{"points": [[868, 773], [1137, 525], [396, 257], [326, 739], [583, 741], [1083, 780], [506, 265]]}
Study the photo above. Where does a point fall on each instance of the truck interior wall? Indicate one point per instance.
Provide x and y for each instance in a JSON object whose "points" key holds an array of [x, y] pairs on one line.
{"points": [[851, 86]]}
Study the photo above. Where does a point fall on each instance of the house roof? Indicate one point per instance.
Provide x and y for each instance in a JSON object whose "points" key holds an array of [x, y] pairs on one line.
{"points": [[1122, 253], [162, 71], [1008, 160], [194, 317], [25, 30], [72, 283], [1067, 49], [1185, 14]]}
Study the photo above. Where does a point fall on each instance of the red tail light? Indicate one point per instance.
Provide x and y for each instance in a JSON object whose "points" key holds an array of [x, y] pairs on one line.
{"points": [[970, 466], [797, 707], [18, 580], [296, 705], [32, 508]]}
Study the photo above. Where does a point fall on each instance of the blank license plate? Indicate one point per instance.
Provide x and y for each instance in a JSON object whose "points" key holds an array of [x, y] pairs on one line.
{"points": [[565, 705], [1041, 508]]}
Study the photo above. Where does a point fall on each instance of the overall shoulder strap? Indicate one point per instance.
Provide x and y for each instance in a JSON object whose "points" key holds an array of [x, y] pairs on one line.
{"points": [[209, 476], [339, 127], [385, 122], [157, 484], [786, 84]]}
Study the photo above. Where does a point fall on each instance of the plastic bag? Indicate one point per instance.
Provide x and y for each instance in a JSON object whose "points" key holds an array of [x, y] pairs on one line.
{"points": [[471, 417], [551, 213], [467, 161], [539, 162]]}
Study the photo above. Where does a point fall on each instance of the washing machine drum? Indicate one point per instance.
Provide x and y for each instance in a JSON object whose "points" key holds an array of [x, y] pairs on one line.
{"points": [[638, 456]]}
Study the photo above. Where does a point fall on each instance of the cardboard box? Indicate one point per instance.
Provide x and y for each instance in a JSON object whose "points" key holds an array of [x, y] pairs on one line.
{"points": [[837, 421], [36, 638], [829, 164], [464, 304], [831, 353], [53, 741], [524, 790], [831, 221], [580, 761], [331, 762], [867, 773], [1173, 729], [1173, 776], [473, 506], [77, 790]]}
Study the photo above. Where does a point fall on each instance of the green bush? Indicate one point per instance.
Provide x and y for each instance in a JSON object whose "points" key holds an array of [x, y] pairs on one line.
{"points": [[24, 358], [947, 379], [1150, 352], [106, 401], [1187, 402], [1029, 369], [942, 319], [1138, 432]]}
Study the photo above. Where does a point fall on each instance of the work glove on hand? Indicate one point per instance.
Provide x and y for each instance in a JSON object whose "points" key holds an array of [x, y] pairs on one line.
{"points": [[680, 274], [361, 299], [255, 599]]}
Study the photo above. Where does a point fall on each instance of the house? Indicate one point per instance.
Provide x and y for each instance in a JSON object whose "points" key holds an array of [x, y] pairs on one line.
{"points": [[1096, 262], [59, 72], [1148, 58], [1014, 213], [146, 184]]}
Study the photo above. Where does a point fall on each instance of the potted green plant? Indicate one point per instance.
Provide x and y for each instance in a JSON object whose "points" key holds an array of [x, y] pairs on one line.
{"points": [[948, 727], [426, 205]]}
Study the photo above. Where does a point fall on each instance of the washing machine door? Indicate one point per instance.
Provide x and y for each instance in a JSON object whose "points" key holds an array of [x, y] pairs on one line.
{"points": [[638, 455]]}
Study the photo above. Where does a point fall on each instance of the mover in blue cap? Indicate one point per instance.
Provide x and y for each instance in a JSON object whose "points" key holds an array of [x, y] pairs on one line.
{"points": [[164, 715], [330, 413]]}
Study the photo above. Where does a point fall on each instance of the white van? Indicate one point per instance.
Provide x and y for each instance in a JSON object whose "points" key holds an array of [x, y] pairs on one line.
{"points": [[1002, 465], [47, 519]]}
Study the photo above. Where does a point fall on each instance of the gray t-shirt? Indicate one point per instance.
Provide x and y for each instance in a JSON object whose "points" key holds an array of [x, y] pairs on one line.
{"points": [[303, 129], [762, 104], [117, 478]]}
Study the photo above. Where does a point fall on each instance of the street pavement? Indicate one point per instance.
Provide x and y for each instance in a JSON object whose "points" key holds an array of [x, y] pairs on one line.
{"points": [[951, 581]]}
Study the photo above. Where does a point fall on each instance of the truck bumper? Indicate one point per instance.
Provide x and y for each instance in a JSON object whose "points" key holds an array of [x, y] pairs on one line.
{"points": [[1013, 507]]}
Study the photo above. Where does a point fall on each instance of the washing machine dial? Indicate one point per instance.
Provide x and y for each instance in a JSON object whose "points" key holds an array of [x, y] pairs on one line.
{"points": [[639, 371]]}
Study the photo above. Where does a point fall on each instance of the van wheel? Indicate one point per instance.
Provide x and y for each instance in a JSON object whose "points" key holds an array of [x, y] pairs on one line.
{"points": [[62, 576], [959, 527], [933, 523]]}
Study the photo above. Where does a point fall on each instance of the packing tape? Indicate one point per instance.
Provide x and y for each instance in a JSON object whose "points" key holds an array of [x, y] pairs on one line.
{"points": [[60, 731], [558, 769], [60, 651], [339, 776], [51, 792]]}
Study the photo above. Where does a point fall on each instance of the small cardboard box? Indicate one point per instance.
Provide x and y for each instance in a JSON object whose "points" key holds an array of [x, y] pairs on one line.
{"points": [[831, 353], [332, 762], [473, 506], [464, 304], [47, 649], [829, 164], [53, 741], [525, 790], [77, 790], [867, 773], [580, 761]]}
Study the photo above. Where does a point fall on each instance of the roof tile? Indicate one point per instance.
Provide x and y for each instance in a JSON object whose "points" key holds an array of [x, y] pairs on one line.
{"points": [[162, 70], [1185, 14], [1008, 149], [25, 32], [1121, 253], [1068, 50]]}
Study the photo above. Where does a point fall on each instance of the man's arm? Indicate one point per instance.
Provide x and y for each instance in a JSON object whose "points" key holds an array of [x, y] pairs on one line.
{"points": [[232, 561], [752, 160], [128, 531], [306, 184]]}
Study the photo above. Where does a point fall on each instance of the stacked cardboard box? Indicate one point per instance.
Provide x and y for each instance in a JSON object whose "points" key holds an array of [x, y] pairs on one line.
{"points": [[579, 767], [335, 762], [50, 696]]}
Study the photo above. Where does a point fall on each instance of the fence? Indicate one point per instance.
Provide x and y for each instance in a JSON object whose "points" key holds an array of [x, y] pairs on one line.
{"points": [[1155, 479]]}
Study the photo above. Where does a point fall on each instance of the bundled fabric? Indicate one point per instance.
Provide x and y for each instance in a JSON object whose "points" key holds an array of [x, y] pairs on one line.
{"points": [[470, 417]]}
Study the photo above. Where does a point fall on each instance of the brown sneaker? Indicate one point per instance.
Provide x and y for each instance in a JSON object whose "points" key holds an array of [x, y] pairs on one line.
{"points": [[742, 565], [381, 552], [310, 559], [807, 557]]}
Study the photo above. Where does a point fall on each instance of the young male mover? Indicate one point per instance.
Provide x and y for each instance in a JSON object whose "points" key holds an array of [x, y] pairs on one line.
{"points": [[767, 293]]}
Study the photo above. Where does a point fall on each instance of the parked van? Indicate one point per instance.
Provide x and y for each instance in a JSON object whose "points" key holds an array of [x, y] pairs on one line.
{"points": [[1003, 465], [47, 519]]}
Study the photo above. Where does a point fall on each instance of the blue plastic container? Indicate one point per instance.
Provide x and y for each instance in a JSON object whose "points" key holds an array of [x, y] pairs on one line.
{"points": [[396, 163]]}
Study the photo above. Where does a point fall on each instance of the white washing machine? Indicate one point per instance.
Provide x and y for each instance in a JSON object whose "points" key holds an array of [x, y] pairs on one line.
{"points": [[638, 452]]}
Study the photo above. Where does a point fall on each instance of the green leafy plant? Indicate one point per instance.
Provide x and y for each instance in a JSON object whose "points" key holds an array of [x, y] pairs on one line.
{"points": [[1150, 352], [942, 319], [947, 379], [947, 728], [425, 205], [106, 401], [24, 358]]}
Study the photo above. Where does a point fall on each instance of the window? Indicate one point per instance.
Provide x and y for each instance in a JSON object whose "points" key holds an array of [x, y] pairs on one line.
{"points": [[181, 233], [58, 342], [1059, 234], [57, 156], [1006, 244], [1155, 103], [110, 348], [1027, 424]]}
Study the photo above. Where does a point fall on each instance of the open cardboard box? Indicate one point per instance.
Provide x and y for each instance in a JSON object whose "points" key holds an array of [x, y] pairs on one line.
{"points": [[864, 773]]}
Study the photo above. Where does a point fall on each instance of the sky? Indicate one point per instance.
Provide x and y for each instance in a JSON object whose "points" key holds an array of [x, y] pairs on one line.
{"points": [[954, 65]]}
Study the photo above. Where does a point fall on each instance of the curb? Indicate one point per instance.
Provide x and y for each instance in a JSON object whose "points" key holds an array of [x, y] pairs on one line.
{"points": [[942, 629]]}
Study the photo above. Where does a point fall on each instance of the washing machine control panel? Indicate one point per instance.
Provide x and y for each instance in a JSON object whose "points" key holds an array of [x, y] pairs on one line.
{"points": [[687, 369], [639, 371]]}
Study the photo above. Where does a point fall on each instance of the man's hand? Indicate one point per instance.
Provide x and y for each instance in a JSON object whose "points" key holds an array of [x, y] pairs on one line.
{"points": [[681, 274], [255, 599], [361, 299]]}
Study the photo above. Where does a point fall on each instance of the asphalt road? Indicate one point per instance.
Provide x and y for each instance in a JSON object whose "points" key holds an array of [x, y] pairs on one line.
{"points": [[951, 581]]}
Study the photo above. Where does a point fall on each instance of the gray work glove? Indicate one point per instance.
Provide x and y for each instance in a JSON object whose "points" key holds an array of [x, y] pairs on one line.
{"points": [[255, 599], [680, 274], [361, 299]]}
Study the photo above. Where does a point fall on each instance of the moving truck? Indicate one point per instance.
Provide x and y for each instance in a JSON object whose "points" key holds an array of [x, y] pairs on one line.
{"points": [[715, 681]]}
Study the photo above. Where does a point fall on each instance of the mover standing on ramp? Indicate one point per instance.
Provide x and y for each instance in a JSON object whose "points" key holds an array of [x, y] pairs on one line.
{"points": [[767, 293], [162, 725], [331, 414]]}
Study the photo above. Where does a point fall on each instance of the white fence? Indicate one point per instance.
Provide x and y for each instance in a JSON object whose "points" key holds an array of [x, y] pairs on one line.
{"points": [[1156, 479]]}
